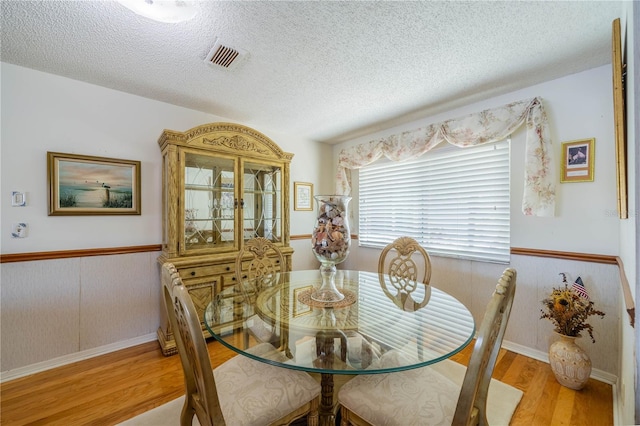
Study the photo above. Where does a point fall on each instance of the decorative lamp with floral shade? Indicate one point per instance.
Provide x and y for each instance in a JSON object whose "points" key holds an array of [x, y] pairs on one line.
{"points": [[569, 308]]}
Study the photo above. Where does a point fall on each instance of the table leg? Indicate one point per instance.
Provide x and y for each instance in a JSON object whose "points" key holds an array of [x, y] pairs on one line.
{"points": [[325, 346], [326, 414]]}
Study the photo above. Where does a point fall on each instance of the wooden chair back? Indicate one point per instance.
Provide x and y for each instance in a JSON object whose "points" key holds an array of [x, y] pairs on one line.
{"points": [[201, 396], [472, 402], [407, 264], [262, 271]]}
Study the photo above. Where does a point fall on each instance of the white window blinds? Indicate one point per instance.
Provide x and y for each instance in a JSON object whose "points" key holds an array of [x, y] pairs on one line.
{"points": [[453, 201]]}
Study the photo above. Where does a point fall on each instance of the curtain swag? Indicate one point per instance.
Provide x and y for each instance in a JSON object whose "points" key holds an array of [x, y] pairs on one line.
{"points": [[487, 126]]}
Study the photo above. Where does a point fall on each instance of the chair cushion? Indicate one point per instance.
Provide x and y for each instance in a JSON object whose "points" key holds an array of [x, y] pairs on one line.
{"points": [[261, 330], [255, 393], [401, 398], [426, 395]]}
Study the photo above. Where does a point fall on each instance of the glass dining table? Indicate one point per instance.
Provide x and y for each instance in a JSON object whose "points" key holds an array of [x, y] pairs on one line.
{"points": [[377, 317]]}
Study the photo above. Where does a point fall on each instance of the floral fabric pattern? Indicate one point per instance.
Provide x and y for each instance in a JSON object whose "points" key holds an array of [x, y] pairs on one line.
{"points": [[253, 393], [423, 396], [487, 126]]}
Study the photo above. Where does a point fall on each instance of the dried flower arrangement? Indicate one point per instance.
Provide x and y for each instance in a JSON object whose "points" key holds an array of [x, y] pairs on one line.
{"points": [[568, 310]]}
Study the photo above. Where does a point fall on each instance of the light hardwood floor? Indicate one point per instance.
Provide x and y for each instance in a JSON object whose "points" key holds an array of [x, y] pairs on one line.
{"points": [[108, 389]]}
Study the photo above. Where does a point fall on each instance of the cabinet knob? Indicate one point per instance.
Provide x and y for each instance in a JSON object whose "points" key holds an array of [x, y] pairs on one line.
{"points": [[228, 268], [193, 273]]}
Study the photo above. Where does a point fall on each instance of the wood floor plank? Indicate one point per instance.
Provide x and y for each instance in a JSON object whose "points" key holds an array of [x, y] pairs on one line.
{"points": [[564, 408], [593, 405], [504, 362], [111, 388], [547, 401], [524, 374]]}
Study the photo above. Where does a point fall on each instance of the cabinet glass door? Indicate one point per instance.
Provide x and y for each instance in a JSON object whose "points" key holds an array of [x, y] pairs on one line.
{"points": [[262, 201], [209, 197]]}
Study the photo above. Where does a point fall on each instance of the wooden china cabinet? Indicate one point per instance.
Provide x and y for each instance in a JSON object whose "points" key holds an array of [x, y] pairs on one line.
{"points": [[223, 183]]}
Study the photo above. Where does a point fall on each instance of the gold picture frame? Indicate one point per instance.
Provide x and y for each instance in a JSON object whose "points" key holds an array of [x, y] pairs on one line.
{"points": [[88, 185], [577, 160], [302, 196], [619, 111], [300, 308]]}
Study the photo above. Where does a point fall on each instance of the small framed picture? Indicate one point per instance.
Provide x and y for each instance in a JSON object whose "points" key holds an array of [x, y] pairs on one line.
{"points": [[577, 161], [86, 185], [302, 196], [300, 308]]}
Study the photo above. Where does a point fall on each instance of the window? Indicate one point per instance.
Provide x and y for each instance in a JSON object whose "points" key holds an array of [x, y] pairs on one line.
{"points": [[453, 201]]}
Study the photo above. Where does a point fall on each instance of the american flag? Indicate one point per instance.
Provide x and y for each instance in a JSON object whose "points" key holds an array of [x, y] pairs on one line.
{"points": [[578, 287]]}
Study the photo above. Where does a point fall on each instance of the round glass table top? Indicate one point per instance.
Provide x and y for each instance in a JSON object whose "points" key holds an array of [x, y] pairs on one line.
{"points": [[377, 327]]}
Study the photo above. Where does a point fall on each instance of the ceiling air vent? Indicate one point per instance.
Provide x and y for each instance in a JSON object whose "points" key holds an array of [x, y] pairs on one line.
{"points": [[224, 56]]}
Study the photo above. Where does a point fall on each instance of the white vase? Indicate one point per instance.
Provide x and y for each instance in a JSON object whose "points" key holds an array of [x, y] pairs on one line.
{"points": [[569, 362]]}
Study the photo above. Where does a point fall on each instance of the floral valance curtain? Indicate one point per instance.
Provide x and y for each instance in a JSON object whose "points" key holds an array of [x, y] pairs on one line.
{"points": [[487, 126]]}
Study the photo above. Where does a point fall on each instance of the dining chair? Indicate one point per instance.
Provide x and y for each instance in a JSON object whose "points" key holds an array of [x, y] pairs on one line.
{"points": [[241, 391], [404, 269], [258, 273], [407, 264], [426, 395]]}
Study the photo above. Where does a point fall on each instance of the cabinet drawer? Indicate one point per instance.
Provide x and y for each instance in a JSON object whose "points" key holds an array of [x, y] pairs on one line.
{"points": [[228, 280], [206, 271], [201, 294], [245, 264]]}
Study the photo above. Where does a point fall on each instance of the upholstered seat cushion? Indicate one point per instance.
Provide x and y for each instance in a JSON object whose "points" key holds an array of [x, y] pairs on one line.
{"points": [[262, 331], [255, 393], [403, 398]]}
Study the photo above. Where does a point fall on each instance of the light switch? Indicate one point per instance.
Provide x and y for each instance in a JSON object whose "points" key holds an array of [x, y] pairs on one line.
{"points": [[18, 199]]}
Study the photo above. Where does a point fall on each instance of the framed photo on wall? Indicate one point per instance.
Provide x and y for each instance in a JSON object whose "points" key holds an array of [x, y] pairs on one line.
{"points": [[302, 196], [577, 160], [87, 185], [620, 120]]}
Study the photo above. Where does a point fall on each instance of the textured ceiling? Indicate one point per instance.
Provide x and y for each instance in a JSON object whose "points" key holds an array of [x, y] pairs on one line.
{"points": [[327, 71]]}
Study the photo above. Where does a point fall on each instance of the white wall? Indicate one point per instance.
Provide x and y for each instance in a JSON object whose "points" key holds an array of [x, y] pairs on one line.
{"points": [[54, 308], [578, 106], [43, 112]]}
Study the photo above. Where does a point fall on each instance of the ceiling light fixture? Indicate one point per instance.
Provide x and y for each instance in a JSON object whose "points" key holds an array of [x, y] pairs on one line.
{"points": [[162, 10]]}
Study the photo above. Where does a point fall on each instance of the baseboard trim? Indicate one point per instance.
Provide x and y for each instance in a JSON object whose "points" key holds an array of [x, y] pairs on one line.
{"points": [[16, 373]]}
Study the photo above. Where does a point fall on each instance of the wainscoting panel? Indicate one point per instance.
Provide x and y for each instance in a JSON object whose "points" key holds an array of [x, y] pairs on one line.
{"points": [[121, 298], [40, 311], [537, 276], [53, 308]]}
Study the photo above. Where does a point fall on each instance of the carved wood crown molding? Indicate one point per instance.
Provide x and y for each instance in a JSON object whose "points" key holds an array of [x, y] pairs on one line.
{"points": [[237, 137], [237, 143]]}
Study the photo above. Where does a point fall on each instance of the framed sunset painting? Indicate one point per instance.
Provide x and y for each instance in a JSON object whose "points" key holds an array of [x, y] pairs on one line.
{"points": [[88, 185]]}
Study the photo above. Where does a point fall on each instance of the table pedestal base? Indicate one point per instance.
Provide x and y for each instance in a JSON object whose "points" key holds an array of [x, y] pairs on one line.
{"points": [[326, 413]]}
